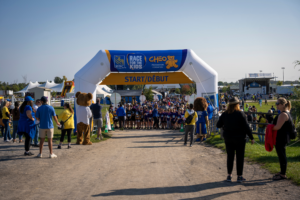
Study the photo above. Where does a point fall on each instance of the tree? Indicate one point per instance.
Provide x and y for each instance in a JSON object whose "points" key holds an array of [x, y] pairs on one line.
{"points": [[53, 94], [220, 83], [279, 83], [297, 62], [177, 91], [58, 80], [24, 78], [148, 93], [138, 87], [15, 88], [64, 78], [186, 89]]}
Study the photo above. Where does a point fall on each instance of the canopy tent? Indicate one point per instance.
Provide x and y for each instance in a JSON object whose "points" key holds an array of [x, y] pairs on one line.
{"points": [[29, 86], [147, 67], [58, 88], [164, 86], [49, 84]]}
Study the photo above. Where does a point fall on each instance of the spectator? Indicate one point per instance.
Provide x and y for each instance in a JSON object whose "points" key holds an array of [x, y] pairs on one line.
{"points": [[283, 123], [5, 120], [190, 128], [246, 108], [235, 128], [261, 127], [98, 121], [67, 117], [273, 109], [269, 116], [155, 117], [44, 115], [38, 103], [16, 117], [26, 124], [121, 116], [266, 101]]}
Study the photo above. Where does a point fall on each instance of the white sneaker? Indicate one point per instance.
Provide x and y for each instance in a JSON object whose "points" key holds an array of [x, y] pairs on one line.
{"points": [[6, 141], [97, 138], [39, 155], [52, 156]]}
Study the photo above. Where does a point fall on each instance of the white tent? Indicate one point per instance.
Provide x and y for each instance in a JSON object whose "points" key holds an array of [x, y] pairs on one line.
{"points": [[160, 86], [49, 84], [29, 86], [147, 63], [58, 88]]}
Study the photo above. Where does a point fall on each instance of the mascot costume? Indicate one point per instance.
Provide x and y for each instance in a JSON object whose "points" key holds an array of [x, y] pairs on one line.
{"points": [[83, 113], [200, 106]]}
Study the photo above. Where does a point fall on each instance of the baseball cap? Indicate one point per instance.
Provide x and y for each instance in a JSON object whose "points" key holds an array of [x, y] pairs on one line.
{"points": [[29, 98], [44, 99]]}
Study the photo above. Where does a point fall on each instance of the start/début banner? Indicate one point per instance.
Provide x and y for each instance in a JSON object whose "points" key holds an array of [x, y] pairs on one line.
{"points": [[145, 78]]}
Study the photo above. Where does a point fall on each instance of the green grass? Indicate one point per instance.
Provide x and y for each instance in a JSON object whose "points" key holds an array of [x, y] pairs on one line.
{"points": [[268, 160], [264, 107], [57, 133]]}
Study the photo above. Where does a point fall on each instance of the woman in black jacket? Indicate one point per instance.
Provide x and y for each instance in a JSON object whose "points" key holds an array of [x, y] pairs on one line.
{"points": [[235, 126]]}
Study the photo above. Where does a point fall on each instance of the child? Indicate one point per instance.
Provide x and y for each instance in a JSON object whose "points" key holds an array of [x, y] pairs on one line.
{"points": [[150, 120], [138, 119], [174, 118], [169, 115], [146, 117], [261, 127], [111, 117], [115, 118]]}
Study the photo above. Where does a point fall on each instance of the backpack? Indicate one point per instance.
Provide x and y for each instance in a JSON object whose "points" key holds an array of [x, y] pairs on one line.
{"points": [[189, 119], [292, 134]]}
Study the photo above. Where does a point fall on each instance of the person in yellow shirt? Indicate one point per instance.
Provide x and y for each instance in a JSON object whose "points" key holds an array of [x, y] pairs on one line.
{"points": [[111, 117], [5, 120], [67, 116], [190, 127]]}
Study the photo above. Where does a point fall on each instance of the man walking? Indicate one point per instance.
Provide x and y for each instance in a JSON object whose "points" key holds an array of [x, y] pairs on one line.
{"points": [[98, 121], [44, 114], [36, 137]]}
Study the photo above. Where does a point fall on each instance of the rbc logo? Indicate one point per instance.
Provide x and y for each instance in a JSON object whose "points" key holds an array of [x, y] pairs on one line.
{"points": [[119, 62]]}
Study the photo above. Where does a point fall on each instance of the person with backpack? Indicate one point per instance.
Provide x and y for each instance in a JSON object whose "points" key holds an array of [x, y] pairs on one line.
{"points": [[285, 131], [67, 117], [191, 118], [261, 127]]}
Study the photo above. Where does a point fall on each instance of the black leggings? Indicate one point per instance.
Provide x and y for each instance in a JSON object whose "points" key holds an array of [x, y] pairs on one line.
{"points": [[63, 133], [235, 147], [121, 121], [156, 122], [27, 141], [280, 149]]}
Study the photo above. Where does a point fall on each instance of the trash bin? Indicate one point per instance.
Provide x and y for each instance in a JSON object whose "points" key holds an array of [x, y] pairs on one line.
{"points": [[62, 102]]}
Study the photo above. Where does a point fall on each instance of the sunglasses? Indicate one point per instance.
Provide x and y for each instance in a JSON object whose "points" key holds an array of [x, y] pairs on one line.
{"points": [[277, 104]]}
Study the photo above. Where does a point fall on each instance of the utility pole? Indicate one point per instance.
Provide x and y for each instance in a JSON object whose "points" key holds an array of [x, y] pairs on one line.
{"points": [[283, 74]]}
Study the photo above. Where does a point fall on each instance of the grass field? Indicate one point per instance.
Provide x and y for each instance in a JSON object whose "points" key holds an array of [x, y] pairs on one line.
{"points": [[268, 160], [57, 133]]}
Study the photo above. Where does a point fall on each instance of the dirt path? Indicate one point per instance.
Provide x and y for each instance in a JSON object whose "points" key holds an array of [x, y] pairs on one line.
{"points": [[132, 165]]}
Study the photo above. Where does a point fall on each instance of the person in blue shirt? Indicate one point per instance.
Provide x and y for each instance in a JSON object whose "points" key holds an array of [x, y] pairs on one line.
{"points": [[44, 114], [121, 116], [26, 124], [210, 112], [155, 117], [200, 108]]}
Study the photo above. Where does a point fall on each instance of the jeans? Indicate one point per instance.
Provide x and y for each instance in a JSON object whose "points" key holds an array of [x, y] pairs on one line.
{"points": [[254, 127], [189, 129], [6, 129], [15, 129], [235, 146], [36, 137], [2, 130], [261, 137]]}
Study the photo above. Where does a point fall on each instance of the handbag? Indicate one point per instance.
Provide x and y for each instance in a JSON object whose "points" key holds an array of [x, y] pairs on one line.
{"points": [[62, 126]]}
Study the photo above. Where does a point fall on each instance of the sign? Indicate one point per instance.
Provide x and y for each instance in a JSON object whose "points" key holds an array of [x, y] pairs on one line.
{"points": [[260, 75], [146, 61], [142, 98], [115, 99], [254, 84], [155, 97], [145, 78]]}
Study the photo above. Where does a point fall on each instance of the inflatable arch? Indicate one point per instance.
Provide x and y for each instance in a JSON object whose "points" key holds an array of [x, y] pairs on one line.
{"points": [[113, 67]]}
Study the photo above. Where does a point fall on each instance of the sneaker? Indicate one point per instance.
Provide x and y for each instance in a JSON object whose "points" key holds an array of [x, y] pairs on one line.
{"points": [[97, 138], [28, 154], [240, 179], [69, 146], [191, 145], [39, 155], [228, 178], [6, 141], [36, 145], [52, 156], [59, 147], [198, 140], [184, 144]]}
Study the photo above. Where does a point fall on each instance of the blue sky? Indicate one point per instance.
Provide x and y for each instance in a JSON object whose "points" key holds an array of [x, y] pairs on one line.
{"points": [[44, 39]]}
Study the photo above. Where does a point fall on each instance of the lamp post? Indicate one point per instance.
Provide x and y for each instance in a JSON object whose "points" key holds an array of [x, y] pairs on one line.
{"points": [[283, 74]]}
